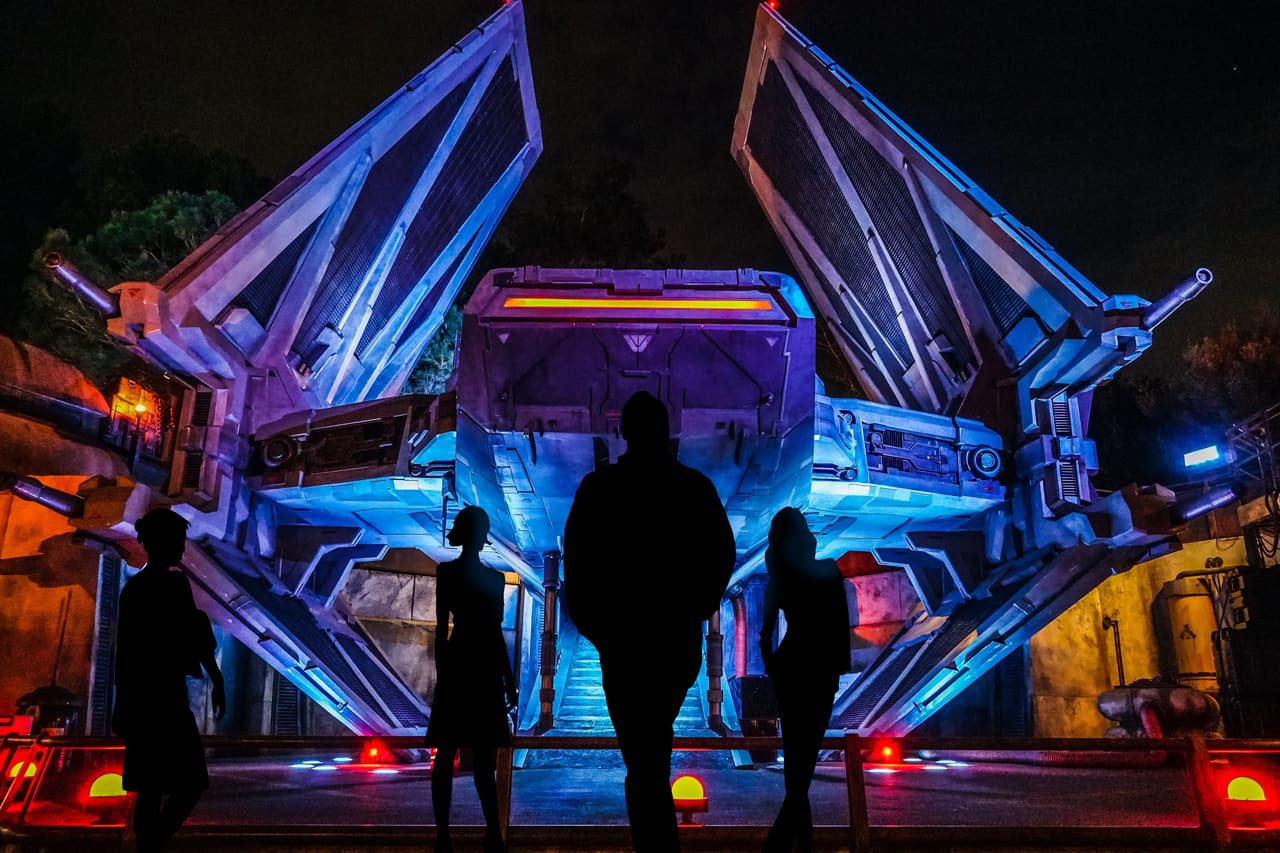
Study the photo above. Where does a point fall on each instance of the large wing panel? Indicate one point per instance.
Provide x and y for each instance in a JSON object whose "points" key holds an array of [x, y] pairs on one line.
{"points": [[924, 279], [337, 278]]}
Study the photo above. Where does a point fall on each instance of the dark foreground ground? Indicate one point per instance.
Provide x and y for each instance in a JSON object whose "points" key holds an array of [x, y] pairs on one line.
{"points": [[333, 804]]}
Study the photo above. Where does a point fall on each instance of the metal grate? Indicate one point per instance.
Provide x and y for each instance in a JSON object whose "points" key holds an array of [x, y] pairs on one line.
{"points": [[192, 461], [897, 222], [1069, 479], [1004, 303], [784, 148], [285, 716], [885, 674], [491, 141], [1060, 416], [261, 295], [375, 211], [370, 663], [294, 616], [104, 646], [201, 409]]}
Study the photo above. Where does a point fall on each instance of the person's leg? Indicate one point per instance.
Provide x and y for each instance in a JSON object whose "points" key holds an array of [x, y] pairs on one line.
{"points": [[485, 762], [810, 710], [146, 818], [643, 713], [442, 794], [174, 812]]}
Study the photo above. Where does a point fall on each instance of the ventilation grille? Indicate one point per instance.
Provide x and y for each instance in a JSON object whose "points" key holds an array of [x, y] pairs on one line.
{"points": [[104, 650], [381, 199], [192, 461], [286, 716], [491, 141], [261, 295], [369, 663], [897, 221], [784, 148], [1004, 303], [201, 409]]}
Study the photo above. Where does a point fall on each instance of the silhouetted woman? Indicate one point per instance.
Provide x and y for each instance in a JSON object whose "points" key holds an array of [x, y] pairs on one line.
{"points": [[161, 639], [807, 664], [475, 687]]}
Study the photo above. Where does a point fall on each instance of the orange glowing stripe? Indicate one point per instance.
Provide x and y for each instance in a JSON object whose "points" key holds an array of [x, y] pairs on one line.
{"points": [[614, 302]]}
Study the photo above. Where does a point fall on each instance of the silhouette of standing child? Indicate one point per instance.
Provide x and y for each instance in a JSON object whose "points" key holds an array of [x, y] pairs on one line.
{"points": [[475, 687], [807, 664], [162, 639]]}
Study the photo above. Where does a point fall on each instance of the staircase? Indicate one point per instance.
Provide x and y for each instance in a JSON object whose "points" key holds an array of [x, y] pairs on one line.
{"points": [[583, 712]]}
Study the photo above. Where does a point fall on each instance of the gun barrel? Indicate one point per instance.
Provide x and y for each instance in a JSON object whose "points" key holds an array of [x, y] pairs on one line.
{"points": [[1198, 506], [1158, 311], [66, 273], [31, 489]]}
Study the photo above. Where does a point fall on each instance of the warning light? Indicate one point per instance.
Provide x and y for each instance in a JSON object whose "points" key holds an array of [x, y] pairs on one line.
{"points": [[27, 769], [376, 752], [1245, 789], [107, 785], [884, 752], [638, 304], [773, 4], [689, 797]]}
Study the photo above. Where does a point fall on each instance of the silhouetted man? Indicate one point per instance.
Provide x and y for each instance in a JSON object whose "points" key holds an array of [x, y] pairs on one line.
{"points": [[161, 639], [647, 553]]}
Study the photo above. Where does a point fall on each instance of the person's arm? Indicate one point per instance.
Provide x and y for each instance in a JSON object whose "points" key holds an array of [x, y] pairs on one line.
{"points": [[207, 647], [769, 623], [508, 677], [219, 697], [718, 552], [440, 647], [580, 549]]}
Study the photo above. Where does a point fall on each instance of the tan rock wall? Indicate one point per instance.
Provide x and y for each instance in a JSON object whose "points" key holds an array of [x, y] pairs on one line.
{"points": [[1073, 658]]}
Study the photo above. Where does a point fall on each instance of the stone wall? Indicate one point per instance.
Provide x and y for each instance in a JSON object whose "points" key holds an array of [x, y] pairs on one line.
{"points": [[1073, 659]]}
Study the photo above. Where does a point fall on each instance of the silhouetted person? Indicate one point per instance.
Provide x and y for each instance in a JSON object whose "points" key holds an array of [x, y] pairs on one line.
{"points": [[475, 687], [647, 553], [161, 639], [807, 665]]}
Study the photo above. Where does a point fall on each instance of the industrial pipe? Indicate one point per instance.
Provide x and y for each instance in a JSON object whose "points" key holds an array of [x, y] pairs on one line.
{"points": [[1183, 512], [1157, 312], [66, 273], [739, 635], [31, 489]]}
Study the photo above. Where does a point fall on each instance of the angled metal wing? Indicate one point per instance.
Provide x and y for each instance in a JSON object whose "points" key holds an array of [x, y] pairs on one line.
{"points": [[981, 348], [337, 278], [933, 291]]}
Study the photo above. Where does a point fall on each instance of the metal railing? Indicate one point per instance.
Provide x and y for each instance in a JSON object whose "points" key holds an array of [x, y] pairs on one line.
{"points": [[1215, 827]]}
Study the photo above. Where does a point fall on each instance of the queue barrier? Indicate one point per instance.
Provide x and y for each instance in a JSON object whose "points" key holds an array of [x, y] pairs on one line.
{"points": [[47, 768]]}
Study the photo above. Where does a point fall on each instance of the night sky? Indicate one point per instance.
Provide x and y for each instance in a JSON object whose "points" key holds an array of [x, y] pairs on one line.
{"points": [[1141, 139]]}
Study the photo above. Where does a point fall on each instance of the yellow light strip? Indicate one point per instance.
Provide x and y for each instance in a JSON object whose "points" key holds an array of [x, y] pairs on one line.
{"points": [[623, 303]]}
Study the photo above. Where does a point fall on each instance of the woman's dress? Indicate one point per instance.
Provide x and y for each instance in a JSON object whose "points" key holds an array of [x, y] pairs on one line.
{"points": [[469, 708]]}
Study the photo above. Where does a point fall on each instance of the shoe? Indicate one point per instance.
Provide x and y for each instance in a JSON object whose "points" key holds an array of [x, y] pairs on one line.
{"points": [[493, 842], [444, 844]]}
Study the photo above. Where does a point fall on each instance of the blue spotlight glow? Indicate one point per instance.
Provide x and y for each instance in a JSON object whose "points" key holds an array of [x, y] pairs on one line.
{"points": [[1203, 456]]}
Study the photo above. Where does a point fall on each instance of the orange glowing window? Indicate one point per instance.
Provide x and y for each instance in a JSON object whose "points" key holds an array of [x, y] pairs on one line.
{"points": [[638, 304]]}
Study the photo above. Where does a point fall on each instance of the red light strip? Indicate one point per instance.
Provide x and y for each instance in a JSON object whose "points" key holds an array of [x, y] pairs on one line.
{"points": [[620, 303]]}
